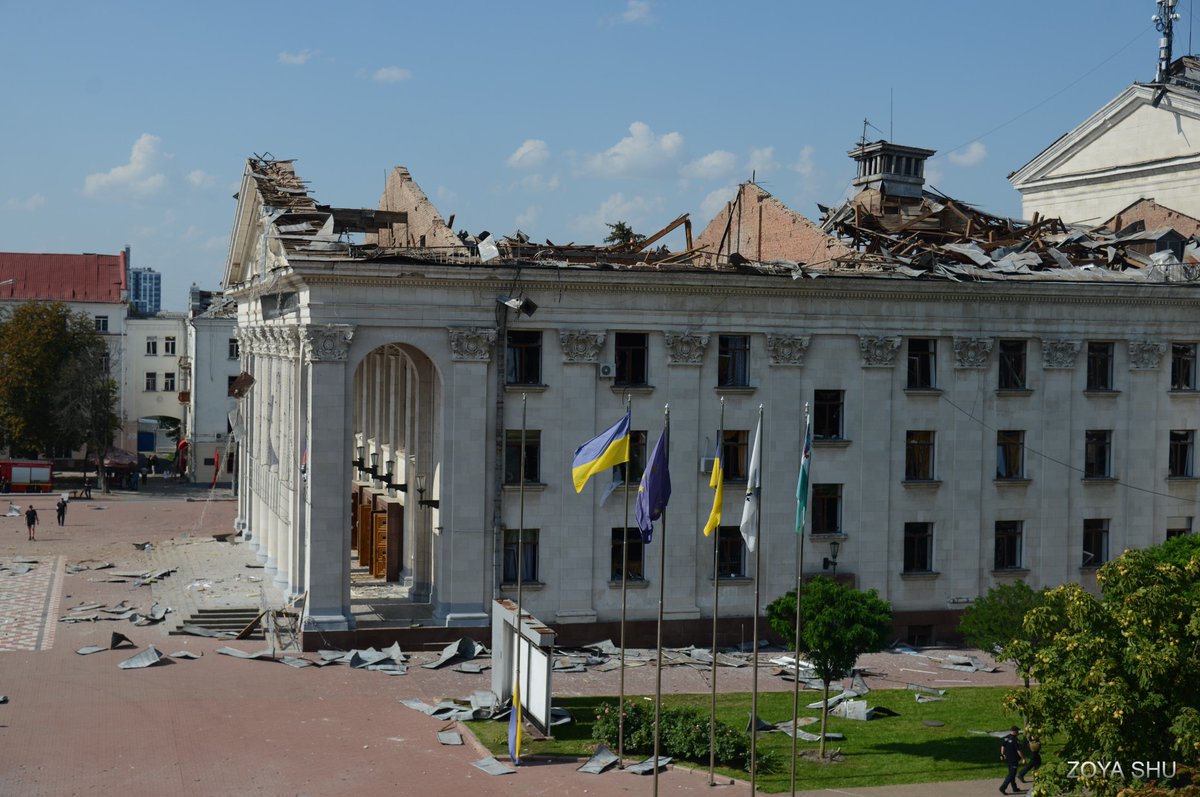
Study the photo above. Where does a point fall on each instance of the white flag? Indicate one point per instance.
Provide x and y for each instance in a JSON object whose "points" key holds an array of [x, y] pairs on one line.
{"points": [[750, 512]]}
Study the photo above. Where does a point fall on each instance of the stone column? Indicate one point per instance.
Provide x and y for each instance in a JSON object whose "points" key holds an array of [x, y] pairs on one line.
{"points": [[242, 523], [300, 470], [326, 506], [262, 390]]}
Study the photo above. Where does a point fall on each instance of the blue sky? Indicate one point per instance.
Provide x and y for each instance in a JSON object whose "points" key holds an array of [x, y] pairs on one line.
{"points": [[129, 123]]}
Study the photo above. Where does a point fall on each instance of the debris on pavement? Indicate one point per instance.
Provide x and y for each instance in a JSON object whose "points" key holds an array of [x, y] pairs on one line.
{"points": [[601, 760], [451, 738], [147, 658], [465, 648], [88, 650], [492, 767], [647, 767]]}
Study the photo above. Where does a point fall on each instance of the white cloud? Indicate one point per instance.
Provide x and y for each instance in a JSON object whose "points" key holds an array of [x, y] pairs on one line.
{"points": [[804, 164], [537, 182], [216, 243], [529, 216], [712, 166], [714, 203], [200, 179], [191, 233], [31, 202], [640, 152], [530, 155], [133, 180], [934, 175], [637, 12], [296, 59], [634, 211], [971, 155], [762, 161], [445, 194], [391, 74]]}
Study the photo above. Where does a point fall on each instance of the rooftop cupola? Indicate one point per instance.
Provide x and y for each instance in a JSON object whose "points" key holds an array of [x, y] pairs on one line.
{"points": [[893, 169]]}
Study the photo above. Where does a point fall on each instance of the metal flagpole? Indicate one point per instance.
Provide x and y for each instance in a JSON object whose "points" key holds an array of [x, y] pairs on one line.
{"points": [[758, 546], [800, 507], [662, 571], [712, 718], [624, 584], [520, 564]]}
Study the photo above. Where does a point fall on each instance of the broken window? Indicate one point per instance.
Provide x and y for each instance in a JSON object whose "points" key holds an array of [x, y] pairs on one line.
{"points": [[512, 456], [922, 362], [735, 456], [151, 380], [523, 360], [918, 456], [169, 381], [637, 460], [827, 414], [169, 344], [1012, 365], [1100, 366], [633, 349], [1097, 454], [827, 509], [1008, 544], [635, 555], [529, 555], [1095, 542], [1010, 454], [152, 346], [733, 361], [1183, 366], [235, 350], [1180, 458], [731, 552], [918, 547]]}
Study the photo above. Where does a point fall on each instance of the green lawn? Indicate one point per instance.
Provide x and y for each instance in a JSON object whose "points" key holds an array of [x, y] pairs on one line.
{"points": [[899, 749]]}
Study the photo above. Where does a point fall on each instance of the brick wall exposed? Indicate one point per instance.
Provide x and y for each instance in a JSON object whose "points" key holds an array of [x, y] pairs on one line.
{"points": [[1154, 215], [403, 194]]}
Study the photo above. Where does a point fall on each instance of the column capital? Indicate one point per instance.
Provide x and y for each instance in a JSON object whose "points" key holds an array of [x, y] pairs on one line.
{"points": [[327, 342], [472, 343]]}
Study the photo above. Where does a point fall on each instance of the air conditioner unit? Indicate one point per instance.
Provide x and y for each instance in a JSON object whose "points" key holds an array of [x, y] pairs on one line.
{"points": [[707, 464], [220, 436], [606, 371]]}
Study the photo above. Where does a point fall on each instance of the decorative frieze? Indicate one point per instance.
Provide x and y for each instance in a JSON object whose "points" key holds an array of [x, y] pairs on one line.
{"points": [[972, 352], [581, 345], [327, 342], [472, 343], [1059, 352], [1145, 355], [685, 348], [787, 349], [879, 352]]}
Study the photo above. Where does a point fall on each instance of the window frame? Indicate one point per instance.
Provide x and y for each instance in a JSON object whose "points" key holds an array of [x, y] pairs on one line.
{"points": [[637, 458], [1009, 545], [1094, 448], [922, 364], [101, 323], [1095, 530], [152, 346], [151, 382], [829, 413], [523, 358], [731, 548], [918, 547], [1100, 365], [169, 345], [1181, 454], [636, 555], [733, 361], [913, 448], [1010, 446], [235, 349], [1014, 364], [529, 556], [1183, 367], [512, 454], [632, 351], [168, 382], [735, 455], [826, 508]]}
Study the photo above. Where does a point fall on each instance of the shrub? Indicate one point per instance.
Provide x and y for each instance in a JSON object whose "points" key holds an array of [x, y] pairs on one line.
{"points": [[684, 734]]}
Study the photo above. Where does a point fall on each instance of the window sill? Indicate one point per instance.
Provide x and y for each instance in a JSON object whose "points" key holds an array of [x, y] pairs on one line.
{"points": [[1099, 480], [1098, 393], [923, 391], [633, 390], [632, 583], [919, 575], [735, 580], [831, 442], [1183, 478], [828, 536], [1091, 569], [530, 487], [1184, 392], [1019, 481], [1010, 571], [735, 390], [518, 388], [1004, 392], [922, 483], [536, 586]]}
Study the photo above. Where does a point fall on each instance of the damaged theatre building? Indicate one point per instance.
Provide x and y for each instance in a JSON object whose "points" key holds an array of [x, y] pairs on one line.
{"points": [[991, 400]]}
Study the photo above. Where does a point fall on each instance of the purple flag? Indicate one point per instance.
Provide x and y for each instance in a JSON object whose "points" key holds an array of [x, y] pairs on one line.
{"points": [[655, 489]]}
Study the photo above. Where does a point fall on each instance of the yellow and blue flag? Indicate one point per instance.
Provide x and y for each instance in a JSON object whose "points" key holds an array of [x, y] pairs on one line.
{"points": [[600, 453], [655, 489], [716, 481], [514, 726]]}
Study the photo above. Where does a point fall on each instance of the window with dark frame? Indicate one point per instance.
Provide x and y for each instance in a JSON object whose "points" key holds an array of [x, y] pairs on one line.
{"points": [[922, 363], [512, 456], [151, 380], [1097, 454], [827, 509], [1183, 366], [523, 358], [636, 554], [169, 381], [1010, 454], [528, 555], [733, 360], [632, 350], [101, 323], [229, 380], [152, 346], [828, 406], [731, 552], [1009, 535], [1095, 542], [1012, 365], [1100, 366], [735, 455], [918, 547], [169, 344], [1179, 461], [1179, 528], [918, 456], [235, 349], [637, 460]]}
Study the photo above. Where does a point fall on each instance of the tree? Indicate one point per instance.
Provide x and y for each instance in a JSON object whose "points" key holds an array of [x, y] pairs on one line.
{"points": [[993, 621], [1118, 676], [837, 625], [55, 392], [622, 233]]}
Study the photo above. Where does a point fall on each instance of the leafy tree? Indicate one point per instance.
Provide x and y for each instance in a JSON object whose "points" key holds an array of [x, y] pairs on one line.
{"points": [[55, 392], [1118, 676], [837, 625], [993, 621], [622, 233]]}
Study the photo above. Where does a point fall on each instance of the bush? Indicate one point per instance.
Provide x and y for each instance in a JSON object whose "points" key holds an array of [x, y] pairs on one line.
{"points": [[684, 734]]}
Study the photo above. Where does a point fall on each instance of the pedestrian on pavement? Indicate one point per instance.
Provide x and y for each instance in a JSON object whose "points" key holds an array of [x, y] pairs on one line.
{"points": [[1035, 757], [1010, 754], [31, 520], [60, 509]]}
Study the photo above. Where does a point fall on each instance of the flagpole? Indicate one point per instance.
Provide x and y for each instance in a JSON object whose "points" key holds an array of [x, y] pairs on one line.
{"points": [[662, 571], [520, 567], [756, 488], [712, 717], [801, 510], [624, 584]]}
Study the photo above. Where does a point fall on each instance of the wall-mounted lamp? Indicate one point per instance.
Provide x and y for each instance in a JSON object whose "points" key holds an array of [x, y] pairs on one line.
{"points": [[392, 487], [522, 305], [358, 460], [830, 562], [374, 469], [421, 499]]}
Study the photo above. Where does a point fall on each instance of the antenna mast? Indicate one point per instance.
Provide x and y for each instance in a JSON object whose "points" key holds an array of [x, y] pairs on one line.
{"points": [[1164, 23]]}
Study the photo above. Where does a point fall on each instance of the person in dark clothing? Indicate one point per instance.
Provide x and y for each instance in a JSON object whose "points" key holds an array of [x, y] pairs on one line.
{"points": [[31, 520], [1010, 753], [60, 510], [1035, 758]]}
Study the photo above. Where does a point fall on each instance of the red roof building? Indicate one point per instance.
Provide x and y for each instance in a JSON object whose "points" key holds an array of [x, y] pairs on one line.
{"points": [[64, 278]]}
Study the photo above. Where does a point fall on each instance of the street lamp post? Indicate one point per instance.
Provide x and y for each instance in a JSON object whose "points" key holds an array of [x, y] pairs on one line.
{"points": [[830, 562]]}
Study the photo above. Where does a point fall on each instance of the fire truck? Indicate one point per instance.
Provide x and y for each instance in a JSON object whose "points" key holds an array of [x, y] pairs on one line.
{"points": [[26, 476]]}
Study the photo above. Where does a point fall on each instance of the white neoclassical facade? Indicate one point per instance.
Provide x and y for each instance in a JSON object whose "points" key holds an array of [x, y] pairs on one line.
{"points": [[967, 433]]}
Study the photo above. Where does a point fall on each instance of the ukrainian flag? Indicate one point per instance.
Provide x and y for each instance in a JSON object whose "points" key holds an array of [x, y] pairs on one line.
{"points": [[600, 453], [717, 482]]}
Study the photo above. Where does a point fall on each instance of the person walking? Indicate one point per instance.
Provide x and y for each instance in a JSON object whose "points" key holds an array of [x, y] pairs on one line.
{"points": [[31, 520], [60, 510], [1035, 757], [1010, 754]]}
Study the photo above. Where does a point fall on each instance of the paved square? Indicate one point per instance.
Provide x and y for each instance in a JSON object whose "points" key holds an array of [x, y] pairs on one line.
{"points": [[29, 605]]}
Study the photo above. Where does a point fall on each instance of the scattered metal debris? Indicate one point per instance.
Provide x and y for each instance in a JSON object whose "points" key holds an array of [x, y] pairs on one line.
{"points": [[647, 767], [147, 658], [119, 640], [185, 654], [450, 737], [88, 650], [465, 648], [492, 767], [601, 760], [265, 653], [298, 662]]}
